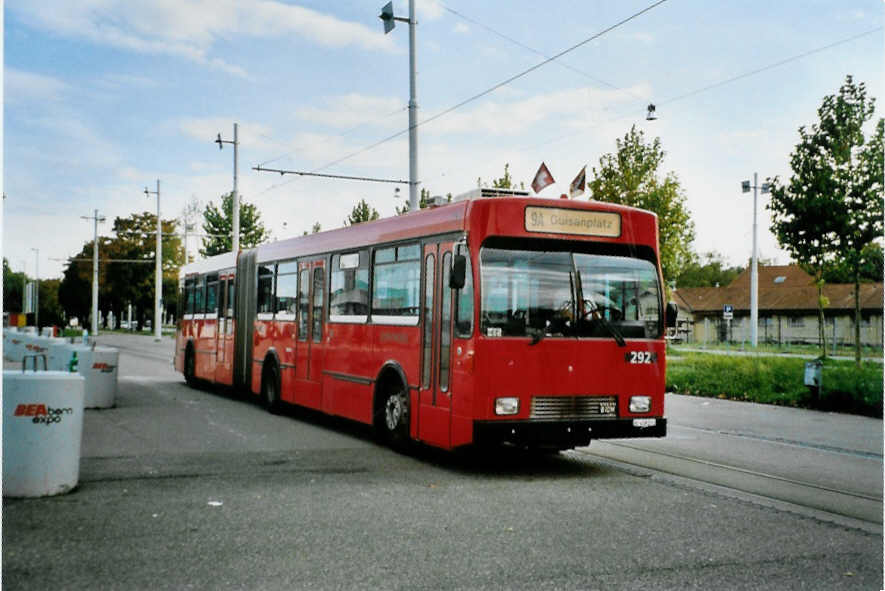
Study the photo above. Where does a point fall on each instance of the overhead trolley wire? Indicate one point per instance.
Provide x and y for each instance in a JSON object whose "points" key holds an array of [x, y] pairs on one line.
{"points": [[768, 67], [537, 52], [485, 92]]}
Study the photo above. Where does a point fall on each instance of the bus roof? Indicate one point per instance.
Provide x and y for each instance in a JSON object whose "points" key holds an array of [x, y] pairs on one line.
{"points": [[485, 216]]}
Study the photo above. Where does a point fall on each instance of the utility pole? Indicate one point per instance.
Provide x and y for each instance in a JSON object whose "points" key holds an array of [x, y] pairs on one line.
{"points": [[389, 22], [37, 289], [158, 277], [754, 268], [96, 219], [235, 198]]}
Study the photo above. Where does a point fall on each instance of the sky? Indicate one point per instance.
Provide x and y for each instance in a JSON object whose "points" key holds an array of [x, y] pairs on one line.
{"points": [[102, 98]]}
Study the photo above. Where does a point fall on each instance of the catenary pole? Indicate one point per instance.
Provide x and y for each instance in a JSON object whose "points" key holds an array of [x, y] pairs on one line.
{"points": [[96, 219], [235, 197], [158, 270], [413, 112]]}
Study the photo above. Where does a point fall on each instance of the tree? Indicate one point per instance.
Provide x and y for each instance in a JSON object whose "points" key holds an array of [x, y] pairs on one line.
{"points": [[505, 182], [630, 177], [314, 229], [831, 209], [218, 225], [423, 197], [13, 285], [709, 270], [189, 215], [123, 283], [871, 264], [361, 212]]}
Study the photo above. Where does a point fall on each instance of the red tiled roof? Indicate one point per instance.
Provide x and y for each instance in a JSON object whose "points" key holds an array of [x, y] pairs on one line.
{"points": [[793, 276], [779, 297]]}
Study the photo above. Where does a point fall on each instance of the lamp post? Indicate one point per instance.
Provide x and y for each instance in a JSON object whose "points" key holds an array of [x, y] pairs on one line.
{"points": [[754, 269], [389, 22], [235, 198], [37, 289], [96, 219], [158, 272]]}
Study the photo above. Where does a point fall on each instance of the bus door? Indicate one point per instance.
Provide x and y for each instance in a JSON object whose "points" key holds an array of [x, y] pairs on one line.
{"points": [[224, 351], [434, 393], [309, 333]]}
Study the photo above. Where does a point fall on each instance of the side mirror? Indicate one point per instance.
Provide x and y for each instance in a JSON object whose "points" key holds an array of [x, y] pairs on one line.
{"points": [[458, 274], [672, 312]]}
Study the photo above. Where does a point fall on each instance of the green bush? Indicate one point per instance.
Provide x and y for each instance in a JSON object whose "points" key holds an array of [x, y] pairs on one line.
{"points": [[778, 380]]}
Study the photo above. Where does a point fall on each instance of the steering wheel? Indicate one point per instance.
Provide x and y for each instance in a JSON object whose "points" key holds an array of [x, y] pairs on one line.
{"points": [[595, 310]]}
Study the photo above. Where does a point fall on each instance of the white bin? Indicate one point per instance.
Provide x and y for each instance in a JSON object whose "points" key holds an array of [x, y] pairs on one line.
{"points": [[16, 346], [98, 366], [42, 432], [60, 355]]}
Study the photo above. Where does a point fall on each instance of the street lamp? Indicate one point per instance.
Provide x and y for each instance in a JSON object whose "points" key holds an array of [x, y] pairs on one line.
{"points": [[158, 272], [754, 270], [389, 22], [37, 289], [235, 198], [96, 219]]}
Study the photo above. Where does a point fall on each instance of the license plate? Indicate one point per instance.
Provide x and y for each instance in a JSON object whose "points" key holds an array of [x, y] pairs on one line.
{"points": [[644, 423]]}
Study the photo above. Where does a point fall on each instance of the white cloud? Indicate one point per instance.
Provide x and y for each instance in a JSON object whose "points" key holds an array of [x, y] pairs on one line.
{"points": [[25, 87], [461, 28], [581, 108], [346, 111], [249, 134], [639, 37], [189, 28]]}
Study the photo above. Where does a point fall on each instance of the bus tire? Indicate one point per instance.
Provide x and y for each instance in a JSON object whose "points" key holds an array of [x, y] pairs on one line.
{"points": [[189, 365], [270, 388], [393, 421]]}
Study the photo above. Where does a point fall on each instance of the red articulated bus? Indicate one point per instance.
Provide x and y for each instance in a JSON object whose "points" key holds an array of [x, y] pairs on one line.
{"points": [[496, 318]]}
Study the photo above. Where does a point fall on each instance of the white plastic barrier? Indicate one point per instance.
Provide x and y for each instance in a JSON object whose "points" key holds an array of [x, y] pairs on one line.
{"points": [[97, 365], [46, 331], [60, 354], [40, 345], [16, 346], [42, 432]]}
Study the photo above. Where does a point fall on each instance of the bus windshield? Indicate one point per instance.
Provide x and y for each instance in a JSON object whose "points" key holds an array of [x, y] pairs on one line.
{"points": [[566, 294]]}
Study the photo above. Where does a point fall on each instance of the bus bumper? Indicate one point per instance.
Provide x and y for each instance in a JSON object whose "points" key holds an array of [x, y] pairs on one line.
{"points": [[565, 433]]}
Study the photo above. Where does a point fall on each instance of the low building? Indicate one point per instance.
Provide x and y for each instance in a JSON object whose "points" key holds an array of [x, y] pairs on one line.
{"points": [[788, 311]]}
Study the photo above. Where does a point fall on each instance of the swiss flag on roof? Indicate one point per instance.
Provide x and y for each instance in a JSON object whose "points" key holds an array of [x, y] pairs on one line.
{"points": [[542, 179]]}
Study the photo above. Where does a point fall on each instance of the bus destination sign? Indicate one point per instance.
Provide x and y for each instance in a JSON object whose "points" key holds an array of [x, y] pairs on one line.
{"points": [[555, 220]]}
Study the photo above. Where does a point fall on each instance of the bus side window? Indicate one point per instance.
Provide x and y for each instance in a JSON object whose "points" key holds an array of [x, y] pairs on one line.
{"points": [[199, 291], [464, 302], [189, 296], [265, 289], [212, 295], [303, 304], [318, 291]]}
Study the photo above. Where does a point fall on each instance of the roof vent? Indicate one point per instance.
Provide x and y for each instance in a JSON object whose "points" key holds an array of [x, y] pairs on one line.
{"points": [[486, 192]]}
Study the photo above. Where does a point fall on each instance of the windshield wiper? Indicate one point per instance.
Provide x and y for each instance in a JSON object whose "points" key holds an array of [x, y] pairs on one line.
{"points": [[619, 338], [537, 335], [600, 312]]}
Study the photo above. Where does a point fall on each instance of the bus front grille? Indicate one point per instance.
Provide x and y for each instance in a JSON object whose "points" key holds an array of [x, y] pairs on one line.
{"points": [[573, 407]]}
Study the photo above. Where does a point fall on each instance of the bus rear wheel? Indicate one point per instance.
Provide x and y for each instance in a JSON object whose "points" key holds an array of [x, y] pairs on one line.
{"points": [[270, 389], [189, 376]]}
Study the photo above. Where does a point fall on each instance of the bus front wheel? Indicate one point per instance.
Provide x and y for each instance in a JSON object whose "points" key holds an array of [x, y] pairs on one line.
{"points": [[395, 417]]}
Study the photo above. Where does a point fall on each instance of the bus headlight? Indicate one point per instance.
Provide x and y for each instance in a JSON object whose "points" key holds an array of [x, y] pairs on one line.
{"points": [[640, 404], [507, 406]]}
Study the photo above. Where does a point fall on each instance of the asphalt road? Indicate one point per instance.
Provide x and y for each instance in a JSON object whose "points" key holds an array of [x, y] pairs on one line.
{"points": [[194, 489]]}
